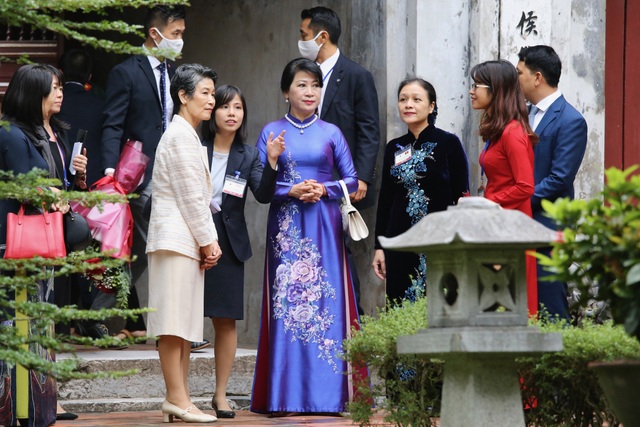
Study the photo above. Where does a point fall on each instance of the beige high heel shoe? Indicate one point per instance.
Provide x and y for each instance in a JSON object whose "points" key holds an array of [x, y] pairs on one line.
{"points": [[170, 410]]}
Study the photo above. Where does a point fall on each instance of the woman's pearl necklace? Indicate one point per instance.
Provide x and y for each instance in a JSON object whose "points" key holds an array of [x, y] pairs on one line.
{"points": [[302, 127]]}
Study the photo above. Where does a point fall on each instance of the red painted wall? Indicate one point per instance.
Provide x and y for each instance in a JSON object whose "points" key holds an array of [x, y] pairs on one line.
{"points": [[622, 84]]}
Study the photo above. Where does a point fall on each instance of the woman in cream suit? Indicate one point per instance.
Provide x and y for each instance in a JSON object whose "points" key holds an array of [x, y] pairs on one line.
{"points": [[182, 242]]}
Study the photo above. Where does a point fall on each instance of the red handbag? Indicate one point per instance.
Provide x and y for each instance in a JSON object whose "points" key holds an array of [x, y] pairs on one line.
{"points": [[35, 235]]}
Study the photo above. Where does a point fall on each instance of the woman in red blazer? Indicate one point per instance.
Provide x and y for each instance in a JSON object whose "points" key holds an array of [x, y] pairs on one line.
{"points": [[507, 157]]}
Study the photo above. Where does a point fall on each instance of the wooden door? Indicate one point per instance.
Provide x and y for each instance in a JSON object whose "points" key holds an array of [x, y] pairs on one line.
{"points": [[15, 42], [622, 84]]}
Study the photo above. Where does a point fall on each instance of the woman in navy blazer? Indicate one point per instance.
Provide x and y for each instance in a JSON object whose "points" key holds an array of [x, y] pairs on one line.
{"points": [[235, 166], [36, 138]]}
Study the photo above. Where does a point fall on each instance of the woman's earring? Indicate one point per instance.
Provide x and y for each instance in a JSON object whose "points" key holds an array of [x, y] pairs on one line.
{"points": [[286, 100]]}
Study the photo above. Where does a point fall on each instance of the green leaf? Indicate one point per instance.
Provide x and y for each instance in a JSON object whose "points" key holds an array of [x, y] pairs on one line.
{"points": [[632, 321], [633, 276]]}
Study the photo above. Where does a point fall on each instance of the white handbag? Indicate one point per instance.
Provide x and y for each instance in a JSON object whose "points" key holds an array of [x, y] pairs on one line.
{"points": [[352, 221]]}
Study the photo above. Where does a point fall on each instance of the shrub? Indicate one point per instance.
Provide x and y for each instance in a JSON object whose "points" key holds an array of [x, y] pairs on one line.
{"points": [[601, 245], [566, 391], [408, 388], [412, 385]]}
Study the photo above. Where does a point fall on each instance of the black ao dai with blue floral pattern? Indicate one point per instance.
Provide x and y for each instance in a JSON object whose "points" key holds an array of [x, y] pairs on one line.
{"points": [[433, 178]]}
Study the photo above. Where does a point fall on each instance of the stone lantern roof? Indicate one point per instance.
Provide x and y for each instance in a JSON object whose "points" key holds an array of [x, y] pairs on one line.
{"points": [[475, 223]]}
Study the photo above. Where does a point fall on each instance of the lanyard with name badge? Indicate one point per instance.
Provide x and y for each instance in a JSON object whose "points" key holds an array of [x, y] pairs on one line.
{"points": [[234, 185], [482, 154], [65, 180], [403, 154]]}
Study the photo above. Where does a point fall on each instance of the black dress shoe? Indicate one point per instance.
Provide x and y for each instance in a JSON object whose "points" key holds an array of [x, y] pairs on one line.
{"points": [[221, 413], [66, 416], [97, 330], [195, 346]]}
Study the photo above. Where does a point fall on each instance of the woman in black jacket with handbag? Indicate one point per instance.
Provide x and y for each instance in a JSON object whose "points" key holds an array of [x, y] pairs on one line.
{"points": [[235, 167], [36, 139]]}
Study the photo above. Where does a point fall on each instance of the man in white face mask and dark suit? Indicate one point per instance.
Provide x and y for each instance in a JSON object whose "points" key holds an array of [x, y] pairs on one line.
{"points": [[349, 100], [138, 106]]}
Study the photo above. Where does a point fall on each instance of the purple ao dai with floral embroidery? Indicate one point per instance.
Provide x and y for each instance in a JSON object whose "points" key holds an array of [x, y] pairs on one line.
{"points": [[308, 303]]}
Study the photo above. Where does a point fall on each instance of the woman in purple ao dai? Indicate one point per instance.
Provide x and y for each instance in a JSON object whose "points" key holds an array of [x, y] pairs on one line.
{"points": [[308, 305]]}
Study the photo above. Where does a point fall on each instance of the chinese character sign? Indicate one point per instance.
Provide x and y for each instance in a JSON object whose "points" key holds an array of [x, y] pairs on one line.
{"points": [[527, 24]]}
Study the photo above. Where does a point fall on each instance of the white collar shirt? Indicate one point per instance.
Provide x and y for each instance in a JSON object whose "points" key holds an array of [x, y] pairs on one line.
{"points": [[154, 62], [543, 106], [327, 69]]}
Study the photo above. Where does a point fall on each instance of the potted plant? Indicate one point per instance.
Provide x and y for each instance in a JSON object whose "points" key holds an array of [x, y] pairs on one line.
{"points": [[601, 244]]}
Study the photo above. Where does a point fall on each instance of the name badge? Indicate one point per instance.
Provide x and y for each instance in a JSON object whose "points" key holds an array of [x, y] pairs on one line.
{"points": [[403, 155], [234, 185]]}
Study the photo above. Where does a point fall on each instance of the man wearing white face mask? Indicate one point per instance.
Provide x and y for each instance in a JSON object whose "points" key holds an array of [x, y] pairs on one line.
{"points": [[138, 106], [349, 100]]}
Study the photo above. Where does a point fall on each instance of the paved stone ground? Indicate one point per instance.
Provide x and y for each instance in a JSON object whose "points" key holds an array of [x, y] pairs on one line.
{"points": [[96, 406], [145, 391], [243, 418]]}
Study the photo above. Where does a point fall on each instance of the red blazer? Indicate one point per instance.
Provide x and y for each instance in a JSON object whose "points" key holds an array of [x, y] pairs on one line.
{"points": [[508, 165]]}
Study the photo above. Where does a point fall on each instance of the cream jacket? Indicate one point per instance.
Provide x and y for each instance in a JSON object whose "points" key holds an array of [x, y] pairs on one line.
{"points": [[181, 191]]}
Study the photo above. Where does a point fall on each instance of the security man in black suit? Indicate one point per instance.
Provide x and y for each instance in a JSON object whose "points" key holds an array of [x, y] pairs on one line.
{"points": [[138, 106], [349, 101], [82, 107]]}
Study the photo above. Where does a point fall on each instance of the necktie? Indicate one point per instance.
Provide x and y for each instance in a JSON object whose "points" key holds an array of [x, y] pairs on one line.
{"points": [[163, 94], [532, 115]]}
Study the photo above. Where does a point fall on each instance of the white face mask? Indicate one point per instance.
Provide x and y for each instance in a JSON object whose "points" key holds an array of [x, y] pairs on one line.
{"points": [[174, 46], [309, 49]]}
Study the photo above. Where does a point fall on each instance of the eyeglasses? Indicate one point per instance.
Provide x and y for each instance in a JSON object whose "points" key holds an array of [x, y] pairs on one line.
{"points": [[475, 86]]}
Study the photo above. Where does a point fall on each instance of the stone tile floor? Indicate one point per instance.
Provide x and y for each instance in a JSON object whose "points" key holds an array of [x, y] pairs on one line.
{"points": [[243, 419]]}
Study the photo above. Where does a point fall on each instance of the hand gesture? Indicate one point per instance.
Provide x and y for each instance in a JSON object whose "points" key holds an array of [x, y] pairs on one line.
{"points": [[306, 191], [315, 192], [275, 147], [62, 207], [79, 162], [360, 192], [210, 255], [379, 265]]}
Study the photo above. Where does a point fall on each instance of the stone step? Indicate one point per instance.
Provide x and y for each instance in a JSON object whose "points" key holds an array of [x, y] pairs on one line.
{"points": [[145, 390]]}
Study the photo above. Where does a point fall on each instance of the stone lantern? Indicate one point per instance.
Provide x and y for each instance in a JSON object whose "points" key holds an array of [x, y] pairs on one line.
{"points": [[477, 307]]}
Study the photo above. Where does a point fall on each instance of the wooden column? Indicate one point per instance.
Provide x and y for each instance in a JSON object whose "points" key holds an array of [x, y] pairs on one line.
{"points": [[622, 84]]}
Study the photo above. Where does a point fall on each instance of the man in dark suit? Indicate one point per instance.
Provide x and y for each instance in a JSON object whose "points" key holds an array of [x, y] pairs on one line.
{"points": [[138, 106], [349, 100], [82, 108], [563, 140]]}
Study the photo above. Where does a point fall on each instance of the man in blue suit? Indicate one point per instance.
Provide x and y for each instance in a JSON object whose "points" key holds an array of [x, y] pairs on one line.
{"points": [[349, 100], [138, 106], [563, 140]]}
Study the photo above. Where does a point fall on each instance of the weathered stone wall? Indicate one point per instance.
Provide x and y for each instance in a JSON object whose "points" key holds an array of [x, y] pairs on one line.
{"points": [[442, 41]]}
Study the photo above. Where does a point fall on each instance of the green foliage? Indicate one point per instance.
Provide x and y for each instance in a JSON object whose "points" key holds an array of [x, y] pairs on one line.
{"points": [[26, 187], [50, 15], [20, 275], [408, 389], [602, 245], [411, 385], [105, 273], [566, 392]]}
